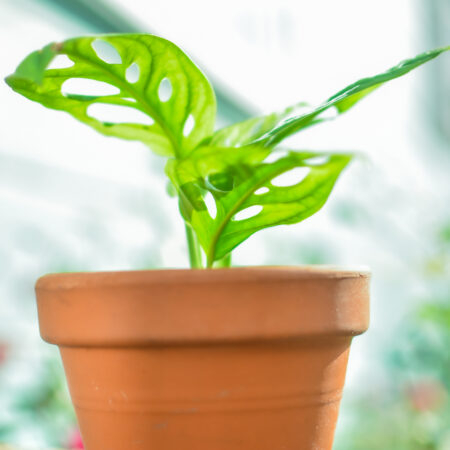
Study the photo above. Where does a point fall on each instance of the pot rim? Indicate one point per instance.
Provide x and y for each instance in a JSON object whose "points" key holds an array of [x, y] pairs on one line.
{"points": [[71, 280], [173, 306]]}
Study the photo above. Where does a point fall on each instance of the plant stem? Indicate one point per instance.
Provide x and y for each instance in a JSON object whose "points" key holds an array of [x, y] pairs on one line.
{"points": [[195, 253], [224, 262]]}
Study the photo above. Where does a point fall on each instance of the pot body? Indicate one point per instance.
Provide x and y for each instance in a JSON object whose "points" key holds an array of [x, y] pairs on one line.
{"points": [[223, 359]]}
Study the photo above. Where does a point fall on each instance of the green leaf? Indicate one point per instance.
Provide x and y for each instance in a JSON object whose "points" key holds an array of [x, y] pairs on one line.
{"points": [[33, 66], [248, 131], [217, 169], [188, 101], [219, 235], [272, 129], [153, 77], [348, 97]]}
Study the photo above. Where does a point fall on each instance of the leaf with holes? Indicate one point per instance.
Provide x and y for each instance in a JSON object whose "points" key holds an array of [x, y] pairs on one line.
{"points": [[148, 88], [272, 129], [248, 131], [257, 197], [230, 183]]}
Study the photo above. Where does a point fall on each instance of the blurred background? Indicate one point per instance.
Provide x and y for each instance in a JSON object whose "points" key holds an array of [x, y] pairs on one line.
{"points": [[73, 200]]}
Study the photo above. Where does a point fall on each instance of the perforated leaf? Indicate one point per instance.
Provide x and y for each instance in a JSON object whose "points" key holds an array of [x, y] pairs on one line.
{"points": [[150, 75], [246, 174], [248, 131], [272, 129], [227, 187]]}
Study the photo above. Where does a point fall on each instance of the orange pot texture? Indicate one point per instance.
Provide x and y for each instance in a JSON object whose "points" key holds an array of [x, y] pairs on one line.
{"points": [[221, 359]]}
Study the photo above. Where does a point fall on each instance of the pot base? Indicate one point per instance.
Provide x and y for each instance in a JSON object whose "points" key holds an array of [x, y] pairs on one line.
{"points": [[281, 395]]}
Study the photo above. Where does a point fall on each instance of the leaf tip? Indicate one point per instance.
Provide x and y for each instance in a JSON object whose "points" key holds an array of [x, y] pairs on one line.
{"points": [[9, 80], [33, 66]]}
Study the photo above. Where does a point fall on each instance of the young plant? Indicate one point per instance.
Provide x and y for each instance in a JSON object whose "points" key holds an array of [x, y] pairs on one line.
{"points": [[229, 167]]}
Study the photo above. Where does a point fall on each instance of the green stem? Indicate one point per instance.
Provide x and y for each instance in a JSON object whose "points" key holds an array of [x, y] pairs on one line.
{"points": [[224, 262], [195, 253]]}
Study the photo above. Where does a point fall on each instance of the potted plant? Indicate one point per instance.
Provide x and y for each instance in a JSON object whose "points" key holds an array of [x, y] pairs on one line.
{"points": [[220, 358]]}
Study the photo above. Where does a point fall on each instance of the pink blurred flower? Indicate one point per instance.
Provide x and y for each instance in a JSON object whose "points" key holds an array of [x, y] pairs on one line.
{"points": [[74, 441], [3, 352], [427, 395]]}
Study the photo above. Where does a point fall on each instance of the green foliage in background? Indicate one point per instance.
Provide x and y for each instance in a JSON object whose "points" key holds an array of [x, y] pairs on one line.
{"points": [[410, 408], [42, 407], [153, 77]]}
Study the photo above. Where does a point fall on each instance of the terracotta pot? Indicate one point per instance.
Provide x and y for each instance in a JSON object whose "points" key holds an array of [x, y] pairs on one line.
{"points": [[222, 359]]}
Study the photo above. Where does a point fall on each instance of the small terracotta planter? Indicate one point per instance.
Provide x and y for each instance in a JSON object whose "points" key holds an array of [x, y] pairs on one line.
{"points": [[223, 359]]}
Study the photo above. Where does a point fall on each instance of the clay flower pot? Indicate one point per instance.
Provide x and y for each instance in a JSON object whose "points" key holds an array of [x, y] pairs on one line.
{"points": [[223, 359]]}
